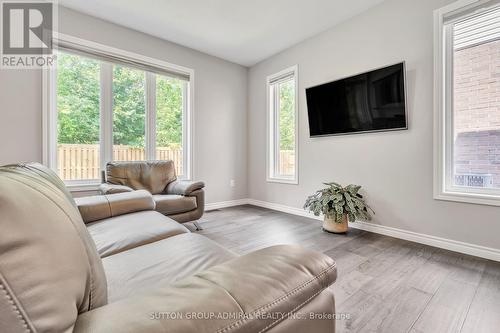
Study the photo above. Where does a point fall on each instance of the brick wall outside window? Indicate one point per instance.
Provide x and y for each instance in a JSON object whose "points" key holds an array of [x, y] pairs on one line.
{"points": [[477, 110]]}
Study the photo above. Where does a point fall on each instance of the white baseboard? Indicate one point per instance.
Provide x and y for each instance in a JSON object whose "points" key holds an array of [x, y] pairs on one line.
{"points": [[283, 208], [444, 243], [448, 244], [225, 204]]}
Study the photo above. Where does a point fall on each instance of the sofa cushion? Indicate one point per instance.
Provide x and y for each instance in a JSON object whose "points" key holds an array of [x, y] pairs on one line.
{"points": [[160, 263], [152, 176], [253, 293], [169, 204], [100, 207], [124, 232], [49, 267]]}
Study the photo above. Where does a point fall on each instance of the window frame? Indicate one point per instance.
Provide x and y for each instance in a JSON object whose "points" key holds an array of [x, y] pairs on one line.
{"points": [[50, 115], [272, 143], [444, 188]]}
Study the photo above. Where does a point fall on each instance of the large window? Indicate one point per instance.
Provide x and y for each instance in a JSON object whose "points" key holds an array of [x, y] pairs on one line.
{"points": [[105, 104], [282, 130], [468, 103]]}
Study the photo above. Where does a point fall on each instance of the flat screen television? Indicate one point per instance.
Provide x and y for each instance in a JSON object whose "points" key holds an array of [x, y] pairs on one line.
{"points": [[368, 102]]}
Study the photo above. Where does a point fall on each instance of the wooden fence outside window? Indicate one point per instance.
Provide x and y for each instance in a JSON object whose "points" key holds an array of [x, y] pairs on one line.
{"points": [[81, 162], [77, 162]]}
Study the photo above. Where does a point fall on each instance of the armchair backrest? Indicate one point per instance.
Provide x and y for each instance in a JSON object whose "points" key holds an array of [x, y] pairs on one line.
{"points": [[49, 267], [153, 176]]}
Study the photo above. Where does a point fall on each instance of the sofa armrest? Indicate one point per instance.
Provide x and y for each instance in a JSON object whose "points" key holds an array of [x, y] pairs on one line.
{"points": [[183, 187], [100, 207], [251, 293], [107, 188]]}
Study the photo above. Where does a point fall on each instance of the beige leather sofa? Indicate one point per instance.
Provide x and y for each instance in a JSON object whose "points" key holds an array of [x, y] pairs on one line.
{"points": [[120, 266], [181, 200]]}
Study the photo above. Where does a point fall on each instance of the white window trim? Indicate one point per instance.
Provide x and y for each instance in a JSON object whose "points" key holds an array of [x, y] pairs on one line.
{"points": [[443, 113], [271, 130], [49, 112]]}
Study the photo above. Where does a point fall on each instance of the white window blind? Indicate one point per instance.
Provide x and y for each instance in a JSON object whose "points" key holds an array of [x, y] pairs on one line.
{"points": [[116, 58], [480, 28], [281, 78]]}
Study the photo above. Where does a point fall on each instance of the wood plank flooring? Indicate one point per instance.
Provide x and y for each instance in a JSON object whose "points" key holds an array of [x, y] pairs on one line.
{"points": [[385, 284]]}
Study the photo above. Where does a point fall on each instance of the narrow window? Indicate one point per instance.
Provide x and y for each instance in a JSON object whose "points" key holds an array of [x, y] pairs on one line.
{"points": [[282, 129], [469, 105], [78, 124], [129, 114], [170, 106]]}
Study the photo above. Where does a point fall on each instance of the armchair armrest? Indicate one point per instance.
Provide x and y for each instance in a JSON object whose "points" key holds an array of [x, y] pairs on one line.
{"points": [[107, 188], [251, 293], [183, 187], [99, 207]]}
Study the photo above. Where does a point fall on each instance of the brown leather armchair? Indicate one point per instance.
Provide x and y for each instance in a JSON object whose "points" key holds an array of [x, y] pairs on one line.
{"points": [[181, 200]]}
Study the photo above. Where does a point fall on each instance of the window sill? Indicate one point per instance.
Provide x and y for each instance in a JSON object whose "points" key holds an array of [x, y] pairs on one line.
{"points": [[472, 198], [283, 181]]}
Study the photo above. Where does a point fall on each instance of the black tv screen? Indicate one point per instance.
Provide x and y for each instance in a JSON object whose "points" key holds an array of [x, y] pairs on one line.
{"points": [[372, 101]]}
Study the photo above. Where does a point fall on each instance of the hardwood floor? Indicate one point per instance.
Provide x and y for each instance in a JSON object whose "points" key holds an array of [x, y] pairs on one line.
{"points": [[384, 284]]}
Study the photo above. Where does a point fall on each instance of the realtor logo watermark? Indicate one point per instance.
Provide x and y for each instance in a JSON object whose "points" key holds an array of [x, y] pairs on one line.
{"points": [[27, 28]]}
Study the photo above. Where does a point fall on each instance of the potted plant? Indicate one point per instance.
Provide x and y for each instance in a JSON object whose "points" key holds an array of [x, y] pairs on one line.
{"points": [[339, 205]]}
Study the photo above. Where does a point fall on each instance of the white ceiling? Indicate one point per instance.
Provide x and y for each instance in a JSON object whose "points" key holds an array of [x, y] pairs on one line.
{"points": [[242, 31]]}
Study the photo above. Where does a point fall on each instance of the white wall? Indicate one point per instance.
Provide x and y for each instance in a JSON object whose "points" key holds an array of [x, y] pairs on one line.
{"points": [[219, 110], [395, 168]]}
